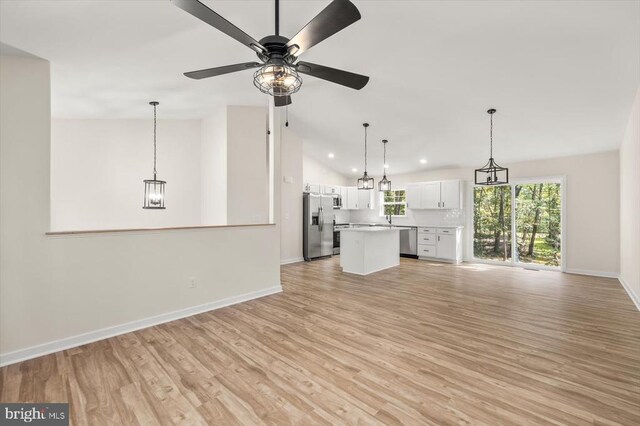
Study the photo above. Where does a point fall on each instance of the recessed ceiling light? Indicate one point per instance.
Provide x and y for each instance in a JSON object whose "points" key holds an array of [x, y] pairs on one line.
{"points": [[386, 166], [331, 155], [354, 170], [423, 161]]}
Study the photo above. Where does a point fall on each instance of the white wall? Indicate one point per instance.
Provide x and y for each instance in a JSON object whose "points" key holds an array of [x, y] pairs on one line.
{"points": [[630, 204], [316, 172], [213, 168], [55, 288], [97, 169], [247, 165], [291, 211]]}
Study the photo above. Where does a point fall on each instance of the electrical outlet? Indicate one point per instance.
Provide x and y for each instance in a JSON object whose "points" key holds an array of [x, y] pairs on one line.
{"points": [[192, 282]]}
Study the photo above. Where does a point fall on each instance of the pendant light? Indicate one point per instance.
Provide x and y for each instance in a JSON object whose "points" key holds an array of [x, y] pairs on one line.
{"points": [[154, 188], [491, 173], [365, 182], [384, 184]]}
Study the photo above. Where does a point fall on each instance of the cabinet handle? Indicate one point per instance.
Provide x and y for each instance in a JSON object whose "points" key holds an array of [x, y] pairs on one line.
{"points": [[443, 204], [438, 237]]}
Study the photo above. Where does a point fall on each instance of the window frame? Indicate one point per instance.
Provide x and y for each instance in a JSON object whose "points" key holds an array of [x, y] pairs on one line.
{"points": [[383, 203]]}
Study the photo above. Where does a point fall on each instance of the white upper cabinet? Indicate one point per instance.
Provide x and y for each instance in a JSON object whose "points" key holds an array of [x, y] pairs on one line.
{"points": [[435, 195], [413, 196], [357, 199], [314, 188], [430, 195], [365, 199], [450, 194], [343, 195], [352, 198], [331, 189]]}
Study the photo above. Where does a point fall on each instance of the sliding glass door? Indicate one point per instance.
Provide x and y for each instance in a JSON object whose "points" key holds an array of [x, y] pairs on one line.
{"points": [[492, 223], [538, 224], [519, 224]]}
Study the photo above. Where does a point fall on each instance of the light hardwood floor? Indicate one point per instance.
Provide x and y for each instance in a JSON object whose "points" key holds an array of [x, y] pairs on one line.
{"points": [[423, 343]]}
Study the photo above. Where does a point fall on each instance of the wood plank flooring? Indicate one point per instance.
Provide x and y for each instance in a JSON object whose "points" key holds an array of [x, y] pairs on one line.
{"points": [[422, 343]]}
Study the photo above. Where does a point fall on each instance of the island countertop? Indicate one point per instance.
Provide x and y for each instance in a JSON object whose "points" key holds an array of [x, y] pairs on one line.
{"points": [[372, 229]]}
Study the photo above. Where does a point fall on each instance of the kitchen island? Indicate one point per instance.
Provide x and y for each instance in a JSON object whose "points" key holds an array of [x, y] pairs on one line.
{"points": [[369, 249]]}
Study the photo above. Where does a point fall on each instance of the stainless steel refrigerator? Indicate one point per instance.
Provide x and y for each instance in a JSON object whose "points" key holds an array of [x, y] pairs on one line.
{"points": [[317, 232]]}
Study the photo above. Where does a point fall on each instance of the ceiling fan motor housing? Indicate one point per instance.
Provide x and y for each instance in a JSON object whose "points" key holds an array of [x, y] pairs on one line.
{"points": [[276, 49]]}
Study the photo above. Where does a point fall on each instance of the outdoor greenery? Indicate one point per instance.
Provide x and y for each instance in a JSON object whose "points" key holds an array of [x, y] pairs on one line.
{"points": [[538, 220], [492, 222], [538, 223], [394, 203]]}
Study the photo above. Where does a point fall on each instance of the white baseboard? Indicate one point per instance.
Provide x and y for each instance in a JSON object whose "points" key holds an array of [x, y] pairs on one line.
{"points": [[104, 333], [592, 273], [294, 260], [635, 298]]}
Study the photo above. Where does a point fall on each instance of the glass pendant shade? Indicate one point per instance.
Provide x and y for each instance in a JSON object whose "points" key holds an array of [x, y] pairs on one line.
{"points": [[154, 193], [154, 188], [277, 79], [365, 182], [491, 173], [384, 184]]}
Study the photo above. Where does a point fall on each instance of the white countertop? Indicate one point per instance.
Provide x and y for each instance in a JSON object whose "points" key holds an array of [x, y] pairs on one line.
{"points": [[400, 226], [380, 228], [441, 226]]}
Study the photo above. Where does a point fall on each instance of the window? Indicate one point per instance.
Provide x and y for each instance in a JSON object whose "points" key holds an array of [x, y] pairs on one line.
{"points": [[393, 203]]}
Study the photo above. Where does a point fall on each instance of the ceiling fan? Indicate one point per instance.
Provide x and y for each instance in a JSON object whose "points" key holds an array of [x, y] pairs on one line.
{"points": [[279, 67]]}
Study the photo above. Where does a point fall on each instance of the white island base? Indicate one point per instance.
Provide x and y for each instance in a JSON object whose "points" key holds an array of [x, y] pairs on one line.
{"points": [[367, 250]]}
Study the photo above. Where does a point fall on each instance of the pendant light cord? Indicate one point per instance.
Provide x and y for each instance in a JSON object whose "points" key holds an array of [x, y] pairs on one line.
{"points": [[491, 138], [154, 142], [365, 149], [384, 159]]}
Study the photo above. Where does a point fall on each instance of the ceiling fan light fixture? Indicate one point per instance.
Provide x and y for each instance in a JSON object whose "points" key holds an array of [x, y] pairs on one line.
{"points": [[277, 79]]}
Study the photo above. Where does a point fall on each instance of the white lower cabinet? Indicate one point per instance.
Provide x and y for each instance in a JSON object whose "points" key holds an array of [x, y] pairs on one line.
{"points": [[440, 243]]}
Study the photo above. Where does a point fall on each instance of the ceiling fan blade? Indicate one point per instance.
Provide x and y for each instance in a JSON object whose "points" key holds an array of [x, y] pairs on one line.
{"points": [[333, 18], [345, 78], [212, 72], [280, 101], [202, 12]]}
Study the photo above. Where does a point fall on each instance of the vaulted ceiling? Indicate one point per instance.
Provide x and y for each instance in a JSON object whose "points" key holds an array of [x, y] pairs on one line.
{"points": [[561, 74]]}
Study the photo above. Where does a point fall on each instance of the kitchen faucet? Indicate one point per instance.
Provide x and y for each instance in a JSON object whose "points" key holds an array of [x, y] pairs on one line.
{"points": [[388, 217]]}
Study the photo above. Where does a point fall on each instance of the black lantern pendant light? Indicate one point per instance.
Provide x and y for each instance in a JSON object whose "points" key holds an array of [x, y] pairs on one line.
{"points": [[384, 184], [492, 173], [365, 182], [154, 188]]}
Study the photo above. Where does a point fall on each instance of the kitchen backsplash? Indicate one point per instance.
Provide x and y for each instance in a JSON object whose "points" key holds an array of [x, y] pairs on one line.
{"points": [[342, 216], [453, 217]]}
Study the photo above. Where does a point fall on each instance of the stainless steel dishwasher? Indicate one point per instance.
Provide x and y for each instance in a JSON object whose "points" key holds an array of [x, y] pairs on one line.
{"points": [[409, 242]]}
